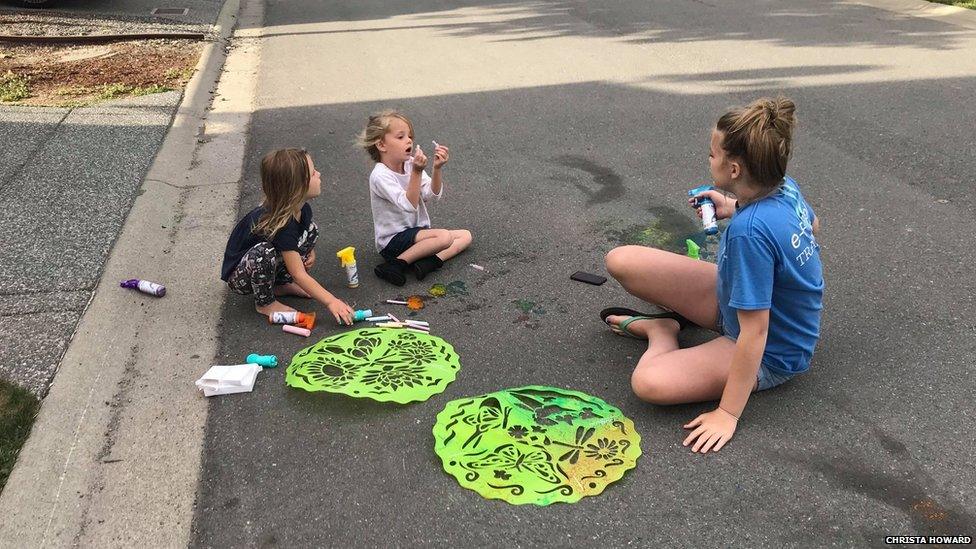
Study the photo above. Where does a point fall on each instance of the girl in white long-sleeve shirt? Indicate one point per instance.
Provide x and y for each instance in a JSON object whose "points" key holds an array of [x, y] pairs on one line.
{"points": [[399, 190]]}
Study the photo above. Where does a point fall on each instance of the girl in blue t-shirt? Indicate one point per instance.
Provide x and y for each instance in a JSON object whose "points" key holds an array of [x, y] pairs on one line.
{"points": [[764, 295], [271, 250]]}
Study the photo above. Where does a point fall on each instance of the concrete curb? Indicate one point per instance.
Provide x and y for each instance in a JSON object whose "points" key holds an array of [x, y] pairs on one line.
{"points": [[114, 456]]}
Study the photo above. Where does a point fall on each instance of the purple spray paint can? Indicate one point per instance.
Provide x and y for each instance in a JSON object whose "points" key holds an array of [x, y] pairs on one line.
{"points": [[145, 286]]}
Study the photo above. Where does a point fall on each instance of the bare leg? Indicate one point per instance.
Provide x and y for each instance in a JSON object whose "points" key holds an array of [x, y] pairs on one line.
{"points": [[666, 374], [461, 239], [273, 307], [695, 374], [684, 285], [291, 288], [427, 242]]}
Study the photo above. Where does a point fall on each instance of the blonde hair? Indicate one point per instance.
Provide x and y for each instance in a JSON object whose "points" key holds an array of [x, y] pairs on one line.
{"points": [[761, 136], [285, 177], [376, 127]]}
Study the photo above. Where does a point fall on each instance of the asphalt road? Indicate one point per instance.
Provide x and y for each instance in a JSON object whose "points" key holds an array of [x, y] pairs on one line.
{"points": [[573, 129]]}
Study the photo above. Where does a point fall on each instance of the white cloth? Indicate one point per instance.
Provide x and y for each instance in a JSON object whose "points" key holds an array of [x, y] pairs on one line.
{"points": [[226, 380], [392, 212]]}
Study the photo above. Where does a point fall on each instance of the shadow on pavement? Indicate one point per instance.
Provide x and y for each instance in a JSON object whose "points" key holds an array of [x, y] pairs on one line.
{"points": [[838, 23]]}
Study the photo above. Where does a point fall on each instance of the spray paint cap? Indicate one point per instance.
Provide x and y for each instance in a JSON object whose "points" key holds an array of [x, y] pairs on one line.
{"points": [[265, 361], [306, 320], [347, 256], [361, 315]]}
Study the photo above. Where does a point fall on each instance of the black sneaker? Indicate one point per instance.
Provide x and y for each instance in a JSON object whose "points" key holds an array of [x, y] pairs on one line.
{"points": [[393, 271]]}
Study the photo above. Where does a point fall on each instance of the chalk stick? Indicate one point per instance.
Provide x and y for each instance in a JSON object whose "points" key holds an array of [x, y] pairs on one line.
{"points": [[296, 330]]}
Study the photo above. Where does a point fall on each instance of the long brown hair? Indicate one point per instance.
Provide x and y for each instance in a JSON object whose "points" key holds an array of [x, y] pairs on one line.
{"points": [[761, 136], [284, 179]]}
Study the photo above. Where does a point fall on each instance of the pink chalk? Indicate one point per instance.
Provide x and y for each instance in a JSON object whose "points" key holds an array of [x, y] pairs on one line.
{"points": [[296, 330]]}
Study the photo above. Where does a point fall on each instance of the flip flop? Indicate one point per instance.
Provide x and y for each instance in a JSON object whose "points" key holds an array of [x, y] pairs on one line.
{"points": [[636, 315]]}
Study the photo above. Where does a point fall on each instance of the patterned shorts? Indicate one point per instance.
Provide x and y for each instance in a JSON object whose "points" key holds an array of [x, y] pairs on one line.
{"points": [[259, 271]]}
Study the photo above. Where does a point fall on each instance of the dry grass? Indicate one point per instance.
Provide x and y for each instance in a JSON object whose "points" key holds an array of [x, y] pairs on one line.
{"points": [[74, 75]]}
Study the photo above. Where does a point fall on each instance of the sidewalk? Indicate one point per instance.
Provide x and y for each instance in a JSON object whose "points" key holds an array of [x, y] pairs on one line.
{"points": [[66, 185], [113, 459], [68, 178]]}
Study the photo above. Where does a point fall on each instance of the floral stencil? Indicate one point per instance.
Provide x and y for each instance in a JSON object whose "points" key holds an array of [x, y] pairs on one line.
{"points": [[379, 363], [535, 444]]}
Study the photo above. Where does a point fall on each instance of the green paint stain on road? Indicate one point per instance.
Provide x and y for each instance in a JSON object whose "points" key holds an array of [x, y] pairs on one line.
{"points": [[527, 306]]}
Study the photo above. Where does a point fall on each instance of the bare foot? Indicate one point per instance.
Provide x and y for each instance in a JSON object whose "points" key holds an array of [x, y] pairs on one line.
{"points": [[641, 328], [290, 289], [273, 307]]}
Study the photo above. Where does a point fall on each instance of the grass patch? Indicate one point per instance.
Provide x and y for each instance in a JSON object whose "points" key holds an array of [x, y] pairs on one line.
{"points": [[14, 87], [971, 4], [17, 411], [81, 96], [155, 88], [182, 75], [115, 91], [74, 91]]}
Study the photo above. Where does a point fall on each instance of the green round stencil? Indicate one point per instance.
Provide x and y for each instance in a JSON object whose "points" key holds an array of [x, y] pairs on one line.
{"points": [[379, 363], [535, 444]]}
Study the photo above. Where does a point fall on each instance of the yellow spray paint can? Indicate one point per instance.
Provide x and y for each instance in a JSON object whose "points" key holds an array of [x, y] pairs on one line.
{"points": [[347, 257]]}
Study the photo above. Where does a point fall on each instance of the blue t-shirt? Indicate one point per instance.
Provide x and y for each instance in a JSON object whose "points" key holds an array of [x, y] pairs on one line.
{"points": [[294, 236], [768, 258]]}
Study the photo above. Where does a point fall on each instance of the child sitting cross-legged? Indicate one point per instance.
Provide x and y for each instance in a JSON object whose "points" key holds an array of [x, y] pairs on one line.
{"points": [[399, 190]]}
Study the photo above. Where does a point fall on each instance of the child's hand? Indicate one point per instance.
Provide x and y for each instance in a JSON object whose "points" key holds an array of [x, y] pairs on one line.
{"points": [[310, 260], [342, 312], [441, 154], [419, 161], [724, 205], [715, 428]]}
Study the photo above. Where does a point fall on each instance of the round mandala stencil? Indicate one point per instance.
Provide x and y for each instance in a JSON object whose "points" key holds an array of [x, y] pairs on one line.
{"points": [[379, 363], [535, 444]]}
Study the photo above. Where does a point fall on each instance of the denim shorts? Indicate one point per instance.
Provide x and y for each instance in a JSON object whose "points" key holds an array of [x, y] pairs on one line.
{"points": [[769, 379], [766, 377], [400, 243]]}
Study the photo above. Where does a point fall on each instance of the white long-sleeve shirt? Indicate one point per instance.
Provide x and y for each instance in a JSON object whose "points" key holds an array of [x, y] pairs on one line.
{"points": [[392, 211]]}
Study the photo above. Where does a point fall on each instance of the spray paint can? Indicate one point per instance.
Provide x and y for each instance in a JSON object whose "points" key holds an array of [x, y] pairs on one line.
{"points": [[707, 207], [145, 286], [290, 317], [265, 361], [347, 258], [298, 318], [359, 316]]}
